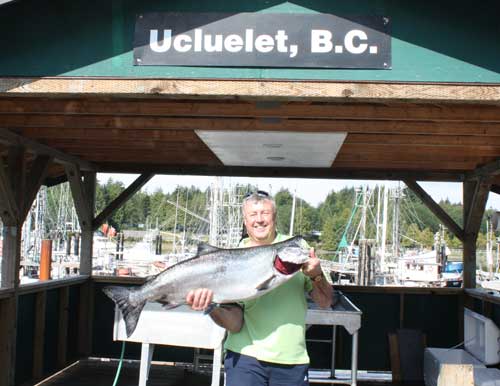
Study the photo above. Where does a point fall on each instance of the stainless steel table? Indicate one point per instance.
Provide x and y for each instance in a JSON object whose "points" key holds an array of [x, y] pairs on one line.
{"points": [[344, 314], [179, 327]]}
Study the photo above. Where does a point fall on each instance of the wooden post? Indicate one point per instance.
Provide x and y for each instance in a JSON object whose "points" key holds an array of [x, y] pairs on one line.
{"points": [[45, 259], [13, 187], [475, 195], [469, 243]]}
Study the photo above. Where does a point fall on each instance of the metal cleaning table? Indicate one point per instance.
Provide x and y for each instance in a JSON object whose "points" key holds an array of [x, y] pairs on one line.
{"points": [[187, 328], [344, 314], [178, 327]]}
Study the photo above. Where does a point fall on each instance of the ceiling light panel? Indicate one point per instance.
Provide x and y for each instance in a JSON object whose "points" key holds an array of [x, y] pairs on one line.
{"points": [[273, 148]]}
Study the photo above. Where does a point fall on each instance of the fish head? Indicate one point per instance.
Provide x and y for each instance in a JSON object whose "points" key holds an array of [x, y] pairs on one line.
{"points": [[291, 255]]}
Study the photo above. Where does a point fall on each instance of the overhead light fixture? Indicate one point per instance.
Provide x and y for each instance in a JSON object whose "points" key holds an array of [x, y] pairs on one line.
{"points": [[293, 149]]}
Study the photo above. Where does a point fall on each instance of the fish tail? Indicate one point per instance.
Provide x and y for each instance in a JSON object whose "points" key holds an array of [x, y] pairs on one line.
{"points": [[130, 312]]}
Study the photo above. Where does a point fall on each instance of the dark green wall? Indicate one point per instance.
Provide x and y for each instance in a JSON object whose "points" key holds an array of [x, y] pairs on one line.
{"points": [[26, 327], [436, 316], [445, 41], [24, 339]]}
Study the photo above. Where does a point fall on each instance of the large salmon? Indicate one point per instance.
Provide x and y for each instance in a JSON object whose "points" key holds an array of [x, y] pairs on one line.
{"points": [[232, 274]]}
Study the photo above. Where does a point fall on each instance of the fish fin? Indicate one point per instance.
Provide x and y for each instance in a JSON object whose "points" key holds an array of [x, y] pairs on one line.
{"points": [[265, 284], [204, 249], [130, 312]]}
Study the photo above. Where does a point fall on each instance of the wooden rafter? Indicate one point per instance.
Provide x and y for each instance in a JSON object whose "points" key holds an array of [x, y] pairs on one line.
{"points": [[435, 208], [121, 199], [322, 173]]}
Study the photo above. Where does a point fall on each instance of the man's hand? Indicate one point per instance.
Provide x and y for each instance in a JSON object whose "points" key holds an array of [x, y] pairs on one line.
{"points": [[199, 299], [312, 267]]}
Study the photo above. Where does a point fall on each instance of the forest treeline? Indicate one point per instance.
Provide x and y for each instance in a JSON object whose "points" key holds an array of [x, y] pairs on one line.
{"points": [[182, 208]]}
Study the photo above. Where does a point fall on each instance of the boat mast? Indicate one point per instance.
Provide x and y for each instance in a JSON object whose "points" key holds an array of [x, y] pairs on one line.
{"points": [[384, 228]]}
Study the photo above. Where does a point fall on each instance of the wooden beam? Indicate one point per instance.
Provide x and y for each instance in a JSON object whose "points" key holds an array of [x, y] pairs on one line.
{"points": [[10, 138], [435, 208], [108, 122], [240, 171], [229, 89], [39, 335], [172, 135], [35, 178], [121, 199], [237, 108], [381, 151]]}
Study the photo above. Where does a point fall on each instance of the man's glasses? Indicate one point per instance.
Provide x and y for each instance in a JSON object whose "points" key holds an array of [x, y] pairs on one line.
{"points": [[259, 193]]}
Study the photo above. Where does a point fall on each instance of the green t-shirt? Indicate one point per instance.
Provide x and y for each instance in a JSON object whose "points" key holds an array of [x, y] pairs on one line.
{"points": [[274, 324]]}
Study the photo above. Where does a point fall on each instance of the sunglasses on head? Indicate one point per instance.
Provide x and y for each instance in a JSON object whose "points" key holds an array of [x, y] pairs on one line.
{"points": [[259, 193]]}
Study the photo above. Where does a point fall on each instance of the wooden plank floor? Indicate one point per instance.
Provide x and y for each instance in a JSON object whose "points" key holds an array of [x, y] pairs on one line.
{"points": [[97, 373]]}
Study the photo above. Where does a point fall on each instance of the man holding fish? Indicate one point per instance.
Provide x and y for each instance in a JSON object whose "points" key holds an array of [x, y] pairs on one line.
{"points": [[266, 341]]}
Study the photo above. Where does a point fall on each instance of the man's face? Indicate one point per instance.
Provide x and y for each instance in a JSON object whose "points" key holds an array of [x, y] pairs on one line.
{"points": [[259, 221]]}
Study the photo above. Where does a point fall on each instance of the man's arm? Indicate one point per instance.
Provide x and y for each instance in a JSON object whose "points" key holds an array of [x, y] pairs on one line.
{"points": [[322, 292], [228, 317]]}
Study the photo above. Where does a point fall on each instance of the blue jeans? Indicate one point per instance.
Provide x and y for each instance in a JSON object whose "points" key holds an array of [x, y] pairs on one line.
{"points": [[243, 370]]}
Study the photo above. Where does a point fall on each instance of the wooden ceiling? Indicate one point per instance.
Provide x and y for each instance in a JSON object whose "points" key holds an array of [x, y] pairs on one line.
{"points": [[389, 139]]}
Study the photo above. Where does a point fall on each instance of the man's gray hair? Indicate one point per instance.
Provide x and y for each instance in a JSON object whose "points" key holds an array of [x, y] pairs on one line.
{"points": [[258, 197]]}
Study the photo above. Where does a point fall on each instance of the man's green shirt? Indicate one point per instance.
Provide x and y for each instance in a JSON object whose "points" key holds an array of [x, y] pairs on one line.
{"points": [[274, 324]]}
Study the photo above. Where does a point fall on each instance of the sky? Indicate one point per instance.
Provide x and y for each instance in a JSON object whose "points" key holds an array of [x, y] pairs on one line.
{"points": [[314, 191]]}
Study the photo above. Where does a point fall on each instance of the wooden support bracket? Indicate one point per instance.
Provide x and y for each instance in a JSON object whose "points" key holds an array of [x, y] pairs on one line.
{"points": [[435, 208], [9, 210], [475, 210], [491, 169], [80, 196], [34, 180]]}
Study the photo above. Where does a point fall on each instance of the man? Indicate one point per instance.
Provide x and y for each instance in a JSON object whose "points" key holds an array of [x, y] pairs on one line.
{"points": [[266, 340]]}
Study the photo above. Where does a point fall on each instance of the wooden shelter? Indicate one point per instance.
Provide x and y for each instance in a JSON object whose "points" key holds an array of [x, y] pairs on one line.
{"points": [[72, 104]]}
